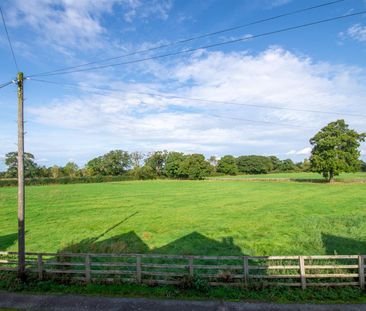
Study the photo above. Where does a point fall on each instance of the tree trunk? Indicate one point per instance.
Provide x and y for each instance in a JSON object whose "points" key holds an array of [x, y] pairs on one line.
{"points": [[331, 176]]}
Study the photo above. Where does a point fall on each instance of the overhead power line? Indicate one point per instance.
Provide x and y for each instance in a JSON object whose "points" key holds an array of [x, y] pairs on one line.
{"points": [[6, 84], [261, 122], [207, 46], [10, 45], [173, 96], [205, 112], [196, 37]]}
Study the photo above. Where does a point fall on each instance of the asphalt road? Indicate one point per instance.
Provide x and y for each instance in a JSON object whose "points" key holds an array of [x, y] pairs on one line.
{"points": [[73, 302]]}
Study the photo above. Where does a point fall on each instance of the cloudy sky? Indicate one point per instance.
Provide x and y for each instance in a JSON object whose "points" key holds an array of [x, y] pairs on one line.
{"points": [[265, 95]]}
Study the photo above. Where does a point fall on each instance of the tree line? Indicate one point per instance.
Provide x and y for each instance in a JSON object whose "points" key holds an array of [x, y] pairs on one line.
{"points": [[158, 164], [335, 150]]}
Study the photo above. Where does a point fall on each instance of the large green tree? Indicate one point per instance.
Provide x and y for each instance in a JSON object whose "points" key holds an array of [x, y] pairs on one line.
{"points": [[116, 162], [286, 166], [227, 165], [195, 166], [71, 169], [156, 161], [254, 164], [144, 172], [95, 166], [56, 171], [43, 171], [113, 163], [336, 150], [276, 162], [173, 163], [30, 166]]}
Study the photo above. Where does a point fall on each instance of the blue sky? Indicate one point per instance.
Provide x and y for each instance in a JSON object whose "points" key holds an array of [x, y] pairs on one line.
{"points": [[319, 68]]}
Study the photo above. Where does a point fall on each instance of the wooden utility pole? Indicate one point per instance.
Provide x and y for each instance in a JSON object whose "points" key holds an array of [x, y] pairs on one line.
{"points": [[21, 189]]}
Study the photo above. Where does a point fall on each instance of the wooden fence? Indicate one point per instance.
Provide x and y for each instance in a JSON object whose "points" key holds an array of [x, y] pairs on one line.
{"points": [[297, 271]]}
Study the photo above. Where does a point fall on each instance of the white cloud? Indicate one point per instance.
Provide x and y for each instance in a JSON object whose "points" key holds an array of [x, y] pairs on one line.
{"points": [[41, 160], [275, 77], [356, 32], [141, 9], [304, 151], [69, 26], [62, 23]]}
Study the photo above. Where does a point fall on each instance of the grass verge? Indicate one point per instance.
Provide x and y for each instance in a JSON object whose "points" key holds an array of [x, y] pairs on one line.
{"points": [[274, 294]]}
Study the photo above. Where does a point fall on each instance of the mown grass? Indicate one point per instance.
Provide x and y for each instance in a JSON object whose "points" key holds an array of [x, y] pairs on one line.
{"points": [[190, 217], [300, 175]]}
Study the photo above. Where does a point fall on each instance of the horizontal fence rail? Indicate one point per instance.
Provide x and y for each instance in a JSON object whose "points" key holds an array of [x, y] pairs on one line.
{"points": [[295, 271]]}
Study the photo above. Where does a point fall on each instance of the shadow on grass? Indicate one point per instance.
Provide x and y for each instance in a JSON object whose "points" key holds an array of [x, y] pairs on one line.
{"points": [[7, 241], [191, 244], [194, 243], [128, 242], [342, 246], [309, 180], [324, 181]]}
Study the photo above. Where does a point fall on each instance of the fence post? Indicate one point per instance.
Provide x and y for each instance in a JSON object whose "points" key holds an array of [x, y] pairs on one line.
{"points": [[87, 269], [138, 268], [246, 270], [302, 272], [40, 267], [361, 271], [190, 263]]}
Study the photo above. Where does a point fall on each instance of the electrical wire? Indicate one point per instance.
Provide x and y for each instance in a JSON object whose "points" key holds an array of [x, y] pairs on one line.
{"points": [[214, 115], [207, 46], [200, 99], [261, 122], [10, 45], [6, 84], [196, 37]]}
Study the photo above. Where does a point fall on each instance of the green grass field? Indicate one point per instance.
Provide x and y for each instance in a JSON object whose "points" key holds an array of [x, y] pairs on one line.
{"points": [[190, 217], [301, 175]]}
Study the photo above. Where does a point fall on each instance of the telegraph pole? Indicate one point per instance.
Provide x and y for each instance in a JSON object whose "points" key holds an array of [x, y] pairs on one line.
{"points": [[21, 189]]}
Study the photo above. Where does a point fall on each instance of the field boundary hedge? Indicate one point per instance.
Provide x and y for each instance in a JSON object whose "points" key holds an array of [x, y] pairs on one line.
{"points": [[42, 181], [306, 180], [65, 180], [154, 269]]}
